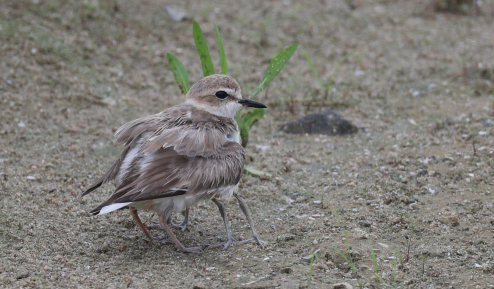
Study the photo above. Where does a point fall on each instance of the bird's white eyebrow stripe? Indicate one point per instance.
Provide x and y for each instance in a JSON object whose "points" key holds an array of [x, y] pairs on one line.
{"points": [[227, 90], [235, 93]]}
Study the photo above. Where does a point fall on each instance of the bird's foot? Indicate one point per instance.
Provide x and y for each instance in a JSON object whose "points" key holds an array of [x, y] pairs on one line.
{"points": [[156, 238], [256, 239], [182, 226], [225, 244]]}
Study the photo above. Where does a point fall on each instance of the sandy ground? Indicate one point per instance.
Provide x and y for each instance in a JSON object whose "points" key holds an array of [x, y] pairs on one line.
{"points": [[412, 187]]}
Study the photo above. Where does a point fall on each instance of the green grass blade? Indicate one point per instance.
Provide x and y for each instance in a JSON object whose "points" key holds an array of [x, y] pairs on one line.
{"points": [[202, 50], [374, 261], [252, 116], [256, 172], [221, 49], [246, 120], [341, 254], [340, 62], [179, 72], [314, 71], [311, 269], [275, 67], [395, 266]]}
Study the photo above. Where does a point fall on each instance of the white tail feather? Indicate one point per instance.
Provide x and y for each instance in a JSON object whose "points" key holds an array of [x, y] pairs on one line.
{"points": [[112, 207]]}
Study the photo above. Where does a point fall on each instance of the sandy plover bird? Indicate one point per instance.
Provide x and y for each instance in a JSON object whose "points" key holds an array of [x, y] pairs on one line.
{"points": [[184, 154]]}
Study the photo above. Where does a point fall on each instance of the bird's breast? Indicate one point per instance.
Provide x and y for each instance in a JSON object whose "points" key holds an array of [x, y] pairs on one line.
{"points": [[234, 136]]}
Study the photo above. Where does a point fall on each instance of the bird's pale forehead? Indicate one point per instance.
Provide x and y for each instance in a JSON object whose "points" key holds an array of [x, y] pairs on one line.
{"points": [[215, 82]]}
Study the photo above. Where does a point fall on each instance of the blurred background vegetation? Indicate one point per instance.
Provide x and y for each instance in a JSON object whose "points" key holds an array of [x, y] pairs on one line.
{"points": [[103, 51]]}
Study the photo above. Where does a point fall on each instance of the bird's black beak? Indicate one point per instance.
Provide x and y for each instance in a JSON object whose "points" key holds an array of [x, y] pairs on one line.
{"points": [[251, 103]]}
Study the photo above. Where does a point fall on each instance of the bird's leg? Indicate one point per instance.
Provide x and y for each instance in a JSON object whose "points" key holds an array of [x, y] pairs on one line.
{"points": [[133, 212], [182, 226], [246, 211], [230, 240], [169, 221], [180, 247]]}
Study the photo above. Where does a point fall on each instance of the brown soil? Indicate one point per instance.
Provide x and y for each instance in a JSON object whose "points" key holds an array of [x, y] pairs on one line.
{"points": [[412, 187]]}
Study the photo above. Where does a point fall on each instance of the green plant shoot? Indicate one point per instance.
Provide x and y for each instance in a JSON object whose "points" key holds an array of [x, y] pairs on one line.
{"points": [[202, 50], [221, 50], [179, 72], [275, 67], [246, 120], [314, 71]]}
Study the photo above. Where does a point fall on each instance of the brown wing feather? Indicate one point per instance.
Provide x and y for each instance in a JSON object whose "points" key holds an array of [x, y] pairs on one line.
{"points": [[131, 130], [160, 175], [190, 131], [187, 141]]}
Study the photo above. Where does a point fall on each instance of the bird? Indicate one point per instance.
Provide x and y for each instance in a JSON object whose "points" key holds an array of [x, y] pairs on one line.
{"points": [[182, 155]]}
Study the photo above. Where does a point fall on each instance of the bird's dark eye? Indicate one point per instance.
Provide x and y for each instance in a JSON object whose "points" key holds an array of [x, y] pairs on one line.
{"points": [[221, 94]]}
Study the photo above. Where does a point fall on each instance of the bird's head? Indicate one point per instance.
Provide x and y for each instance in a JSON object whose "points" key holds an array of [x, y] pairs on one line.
{"points": [[220, 95]]}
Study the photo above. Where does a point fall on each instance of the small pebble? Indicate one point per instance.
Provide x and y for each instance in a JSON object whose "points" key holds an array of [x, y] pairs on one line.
{"points": [[286, 270], [175, 14], [365, 223], [422, 172]]}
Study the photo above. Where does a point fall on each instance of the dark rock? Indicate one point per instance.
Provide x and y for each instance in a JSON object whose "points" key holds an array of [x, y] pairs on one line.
{"points": [[285, 238], [365, 223], [342, 286], [423, 172], [328, 123], [286, 270]]}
